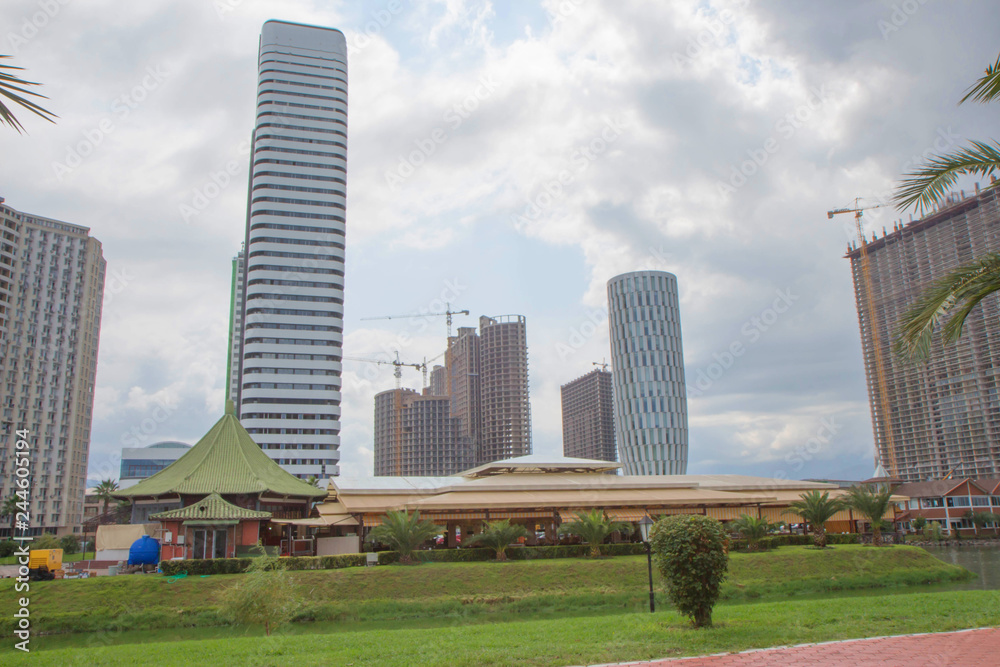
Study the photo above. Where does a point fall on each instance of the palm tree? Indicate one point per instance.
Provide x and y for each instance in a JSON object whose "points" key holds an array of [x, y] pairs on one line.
{"points": [[10, 85], [955, 295], [404, 532], [104, 492], [499, 535], [593, 528], [816, 509], [753, 530], [873, 503]]}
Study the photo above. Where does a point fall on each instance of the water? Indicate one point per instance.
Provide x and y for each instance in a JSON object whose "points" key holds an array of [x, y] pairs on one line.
{"points": [[984, 561]]}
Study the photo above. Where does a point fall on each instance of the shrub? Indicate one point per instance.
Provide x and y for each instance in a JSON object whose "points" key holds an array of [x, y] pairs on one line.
{"points": [[264, 596], [70, 544], [46, 541], [692, 555], [593, 528], [404, 532], [7, 548], [498, 536], [918, 523]]}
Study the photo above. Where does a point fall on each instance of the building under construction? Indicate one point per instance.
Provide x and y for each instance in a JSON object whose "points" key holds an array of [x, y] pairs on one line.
{"points": [[423, 442], [588, 417], [503, 386], [942, 415]]}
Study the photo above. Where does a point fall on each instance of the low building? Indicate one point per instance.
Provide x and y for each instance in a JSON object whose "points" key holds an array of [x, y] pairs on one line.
{"points": [[948, 501], [542, 492], [218, 500]]}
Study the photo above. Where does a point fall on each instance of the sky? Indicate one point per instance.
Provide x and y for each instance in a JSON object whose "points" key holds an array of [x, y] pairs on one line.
{"points": [[508, 158]]}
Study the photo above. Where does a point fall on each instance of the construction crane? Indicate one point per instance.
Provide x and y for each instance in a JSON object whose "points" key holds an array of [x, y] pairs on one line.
{"points": [[876, 340], [602, 363], [448, 312], [397, 435]]}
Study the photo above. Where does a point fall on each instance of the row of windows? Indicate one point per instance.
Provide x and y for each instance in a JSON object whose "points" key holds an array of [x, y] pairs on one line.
{"points": [[286, 416], [296, 214], [294, 105], [292, 311], [291, 341], [296, 151], [290, 385], [293, 431], [298, 357], [282, 114], [294, 297], [295, 188], [292, 401], [295, 283], [292, 371], [295, 228], [294, 163], [301, 128], [298, 202], [294, 255], [289, 93], [311, 75], [293, 327], [281, 239], [297, 64], [302, 84], [295, 269], [301, 140], [300, 177]]}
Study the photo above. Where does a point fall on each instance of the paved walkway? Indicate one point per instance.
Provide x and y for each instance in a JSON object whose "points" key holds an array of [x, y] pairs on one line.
{"points": [[941, 649]]}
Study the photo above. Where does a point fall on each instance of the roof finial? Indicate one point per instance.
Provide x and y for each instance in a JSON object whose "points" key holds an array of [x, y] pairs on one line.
{"points": [[230, 407]]}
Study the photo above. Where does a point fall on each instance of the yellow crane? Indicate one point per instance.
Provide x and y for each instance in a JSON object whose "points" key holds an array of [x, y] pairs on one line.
{"points": [[882, 398]]}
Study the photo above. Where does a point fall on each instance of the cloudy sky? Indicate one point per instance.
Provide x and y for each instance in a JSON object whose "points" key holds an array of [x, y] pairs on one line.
{"points": [[508, 157]]}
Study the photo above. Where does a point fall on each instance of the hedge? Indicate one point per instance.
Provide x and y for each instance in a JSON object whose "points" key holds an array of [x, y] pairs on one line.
{"points": [[237, 565], [774, 541]]}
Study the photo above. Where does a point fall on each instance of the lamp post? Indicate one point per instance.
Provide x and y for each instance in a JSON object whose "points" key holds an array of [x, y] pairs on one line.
{"points": [[644, 525]]}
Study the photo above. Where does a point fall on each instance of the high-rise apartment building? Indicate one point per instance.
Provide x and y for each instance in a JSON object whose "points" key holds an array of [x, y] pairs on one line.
{"points": [[416, 435], [588, 417], [289, 375], [51, 297], [647, 361], [943, 415], [503, 386], [235, 329], [462, 387]]}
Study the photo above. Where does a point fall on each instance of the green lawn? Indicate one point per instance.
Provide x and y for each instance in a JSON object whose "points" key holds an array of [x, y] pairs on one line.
{"points": [[538, 642], [67, 558], [470, 592]]}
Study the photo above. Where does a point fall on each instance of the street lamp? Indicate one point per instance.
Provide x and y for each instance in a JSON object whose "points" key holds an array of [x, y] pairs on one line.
{"points": [[644, 525]]}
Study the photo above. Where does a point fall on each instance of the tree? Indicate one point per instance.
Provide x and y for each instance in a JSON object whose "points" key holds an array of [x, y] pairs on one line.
{"points": [[10, 87], [104, 491], [692, 554], [918, 524], [872, 503], [404, 532], [593, 528], [951, 298], [753, 530], [9, 509], [263, 595], [816, 509], [981, 519], [498, 535], [46, 541], [70, 544]]}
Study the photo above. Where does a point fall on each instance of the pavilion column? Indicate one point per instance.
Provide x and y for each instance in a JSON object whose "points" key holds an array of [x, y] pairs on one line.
{"points": [[532, 537], [452, 535], [551, 536]]}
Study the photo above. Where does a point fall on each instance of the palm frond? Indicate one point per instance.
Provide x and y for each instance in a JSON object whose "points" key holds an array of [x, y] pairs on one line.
{"points": [[987, 88], [929, 184], [10, 86], [963, 288]]}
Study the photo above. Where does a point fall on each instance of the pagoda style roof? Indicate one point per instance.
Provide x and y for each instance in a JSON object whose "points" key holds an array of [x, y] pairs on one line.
{"points": [[225, 461], [211, 507]]}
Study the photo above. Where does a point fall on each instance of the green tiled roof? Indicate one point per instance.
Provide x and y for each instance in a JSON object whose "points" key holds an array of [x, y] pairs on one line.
{"points": [[225, 461], [211, 507]]}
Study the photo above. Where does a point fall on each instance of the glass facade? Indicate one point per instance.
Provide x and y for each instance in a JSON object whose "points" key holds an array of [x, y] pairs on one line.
{"points": [[650, 401]]}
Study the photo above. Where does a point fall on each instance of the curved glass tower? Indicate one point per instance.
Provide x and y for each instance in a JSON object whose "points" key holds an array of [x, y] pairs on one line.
{"points": [[647, 362], [289, 386]]}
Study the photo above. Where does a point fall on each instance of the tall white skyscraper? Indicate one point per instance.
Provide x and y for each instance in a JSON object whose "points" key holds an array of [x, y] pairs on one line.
{"points": [[292, 334], [648, 367]]}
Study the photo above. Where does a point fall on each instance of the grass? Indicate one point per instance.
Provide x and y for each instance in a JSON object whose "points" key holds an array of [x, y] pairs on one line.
{"points": [[543, 642], [470, 592], [67, 558]]}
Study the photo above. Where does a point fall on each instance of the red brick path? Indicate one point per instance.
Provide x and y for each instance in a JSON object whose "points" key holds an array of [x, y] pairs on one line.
{"points": [[942, 649]]}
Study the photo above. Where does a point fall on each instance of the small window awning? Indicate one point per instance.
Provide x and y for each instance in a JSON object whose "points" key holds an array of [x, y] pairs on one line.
{"points": [[321, 521], [521, 514], [628, 515], [454, 516], [212, 522]]}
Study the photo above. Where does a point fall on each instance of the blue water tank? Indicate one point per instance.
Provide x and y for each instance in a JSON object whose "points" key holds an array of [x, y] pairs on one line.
{"points": [[144, 551]]}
